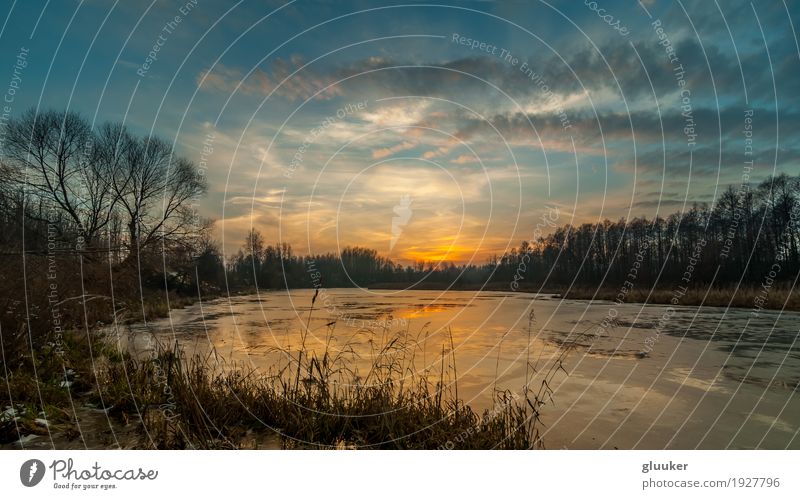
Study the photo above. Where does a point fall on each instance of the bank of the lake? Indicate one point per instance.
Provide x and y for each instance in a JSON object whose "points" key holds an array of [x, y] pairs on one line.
{"points": [[754, 298]]}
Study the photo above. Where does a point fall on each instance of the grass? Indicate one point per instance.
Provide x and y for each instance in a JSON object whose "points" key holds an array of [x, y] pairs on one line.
{"points": [[312, 399], [747, 297]]}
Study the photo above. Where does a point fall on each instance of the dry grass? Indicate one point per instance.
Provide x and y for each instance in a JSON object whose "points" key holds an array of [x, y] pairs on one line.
{"points": [[776, 298], [313, 400], [198, 403]]}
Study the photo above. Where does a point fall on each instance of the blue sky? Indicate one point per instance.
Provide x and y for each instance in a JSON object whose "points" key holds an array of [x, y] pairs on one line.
{"points": [[588, 119]]}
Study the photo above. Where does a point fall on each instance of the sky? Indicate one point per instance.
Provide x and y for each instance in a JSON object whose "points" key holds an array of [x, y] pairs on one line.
{"points": [[448, 131]]}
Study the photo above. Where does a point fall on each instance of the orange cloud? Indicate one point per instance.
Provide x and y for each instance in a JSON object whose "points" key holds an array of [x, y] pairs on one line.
{"points": [[388, 151]]}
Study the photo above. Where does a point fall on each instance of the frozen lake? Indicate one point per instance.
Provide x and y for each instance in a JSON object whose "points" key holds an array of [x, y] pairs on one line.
{"points": [[658, 378]]}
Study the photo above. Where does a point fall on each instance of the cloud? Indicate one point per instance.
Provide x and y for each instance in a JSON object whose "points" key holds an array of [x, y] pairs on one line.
{"points": [[272, 199], [388, 151], [465, 159], [397, 113], [280, 81]]}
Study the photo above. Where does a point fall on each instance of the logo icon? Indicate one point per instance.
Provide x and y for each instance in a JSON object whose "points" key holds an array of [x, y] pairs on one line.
{"points": [[403, 212], [31, 472]]}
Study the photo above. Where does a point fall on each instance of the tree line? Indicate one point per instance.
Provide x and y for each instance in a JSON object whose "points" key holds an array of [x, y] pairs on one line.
{"points": [[739, 240], [742, 239]]}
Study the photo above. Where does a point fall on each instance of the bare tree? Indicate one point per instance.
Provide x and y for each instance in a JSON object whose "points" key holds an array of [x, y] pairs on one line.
{"points": [[55, 156], [155, 189]]}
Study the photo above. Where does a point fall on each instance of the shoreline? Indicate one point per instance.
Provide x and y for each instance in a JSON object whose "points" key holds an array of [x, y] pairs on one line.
{"points": [[744, 298]]}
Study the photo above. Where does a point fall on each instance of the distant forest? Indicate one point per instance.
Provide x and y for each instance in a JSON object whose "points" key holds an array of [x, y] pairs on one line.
{"points": [[750, 236], [97, 223]]}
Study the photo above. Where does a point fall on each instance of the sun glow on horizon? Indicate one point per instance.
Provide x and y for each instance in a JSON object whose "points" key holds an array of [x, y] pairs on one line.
{"points": [[438, 254]]}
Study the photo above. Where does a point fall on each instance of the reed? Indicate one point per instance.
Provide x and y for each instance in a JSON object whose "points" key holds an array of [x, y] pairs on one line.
{"points": [[312, 399]]}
